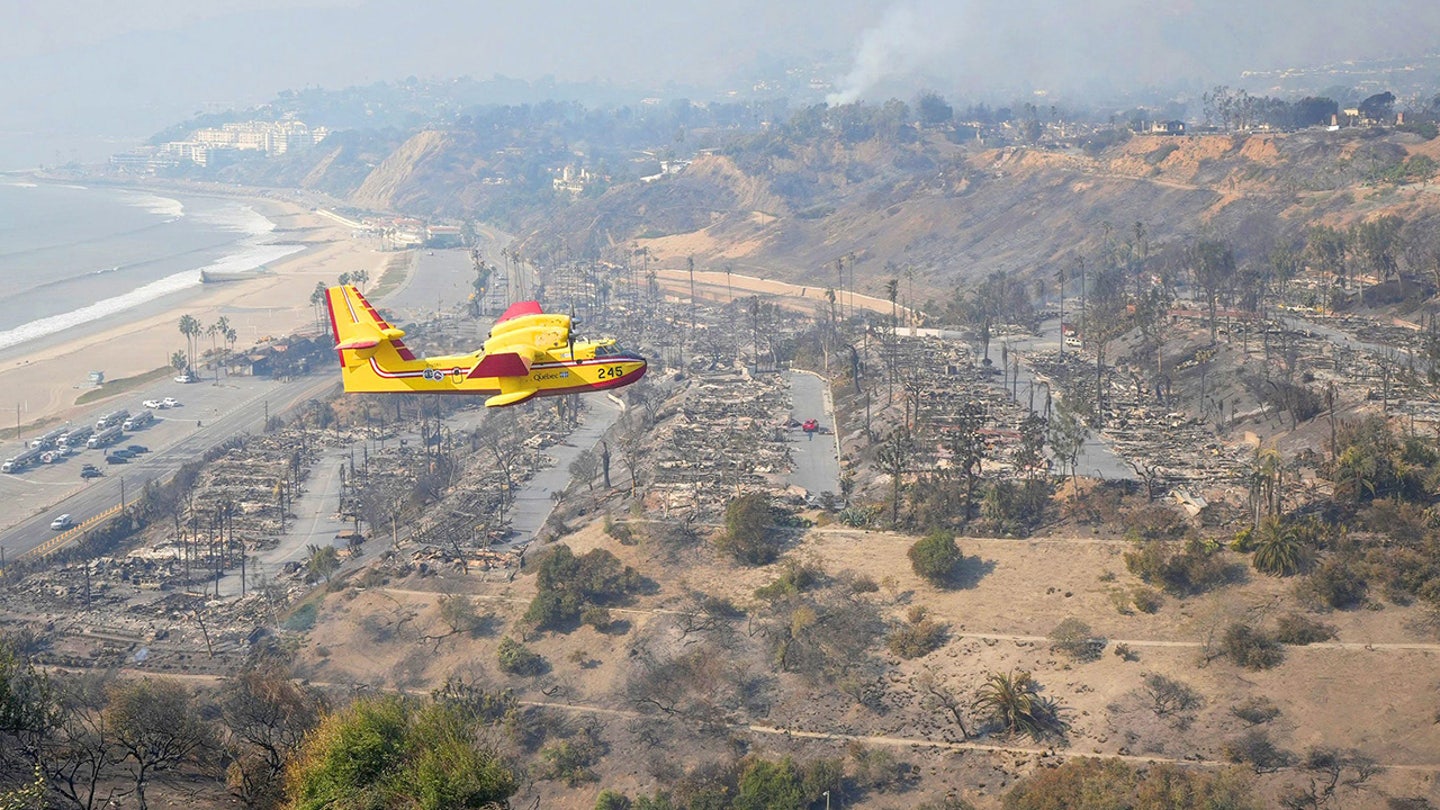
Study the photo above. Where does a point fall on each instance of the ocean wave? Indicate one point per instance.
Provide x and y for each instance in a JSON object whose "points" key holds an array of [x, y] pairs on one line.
{"points": [[240, 219], [168, 207], [253, 257], [100, 309], [21, 184]]}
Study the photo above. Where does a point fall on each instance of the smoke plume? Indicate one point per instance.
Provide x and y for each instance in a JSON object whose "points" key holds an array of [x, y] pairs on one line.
{"points": [[903, 41]]}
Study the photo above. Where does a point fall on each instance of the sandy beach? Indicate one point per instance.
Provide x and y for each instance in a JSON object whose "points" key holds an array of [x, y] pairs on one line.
{"points": [[45, 377]]}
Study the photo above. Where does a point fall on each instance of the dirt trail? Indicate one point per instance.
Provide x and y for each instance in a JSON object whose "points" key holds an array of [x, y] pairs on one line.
{"points": [[795, 733], [1014, 637]]}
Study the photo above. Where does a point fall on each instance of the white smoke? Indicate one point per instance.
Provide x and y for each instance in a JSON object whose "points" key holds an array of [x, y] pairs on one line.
{"points": [[906, 38]]}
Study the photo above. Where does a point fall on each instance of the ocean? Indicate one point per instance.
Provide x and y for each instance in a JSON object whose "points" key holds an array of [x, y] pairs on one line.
{"points": [[71, 254]]}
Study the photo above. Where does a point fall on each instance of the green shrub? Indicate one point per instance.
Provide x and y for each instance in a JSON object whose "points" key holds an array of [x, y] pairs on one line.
{"points": [[303, 618], [610, 800], [1335, 583], [394, 751], [796, 578], [517, 659], [750, 536], [567, 584], [570, 760], [935, 558], [1073, 638], [596, 617], [1195, 567], [620, 531]]}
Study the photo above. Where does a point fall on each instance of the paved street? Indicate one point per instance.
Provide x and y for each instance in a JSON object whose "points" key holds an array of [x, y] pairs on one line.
{"points": [[816, 455]]}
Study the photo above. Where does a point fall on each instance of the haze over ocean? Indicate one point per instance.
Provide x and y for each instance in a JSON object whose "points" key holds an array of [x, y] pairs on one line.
{"points": [[71, 254]]}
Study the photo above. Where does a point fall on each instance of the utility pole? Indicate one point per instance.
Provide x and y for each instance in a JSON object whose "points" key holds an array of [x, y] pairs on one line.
{"points": [[690, 264]]}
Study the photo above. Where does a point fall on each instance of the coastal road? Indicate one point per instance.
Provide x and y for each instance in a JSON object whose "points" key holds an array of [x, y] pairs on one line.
{"points": [[210, 414], [442, 280]]}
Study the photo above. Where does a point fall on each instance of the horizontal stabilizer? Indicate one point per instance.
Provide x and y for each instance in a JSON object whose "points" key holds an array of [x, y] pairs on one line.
{"points": [[360, 343], [509, 398], [502, 364]]}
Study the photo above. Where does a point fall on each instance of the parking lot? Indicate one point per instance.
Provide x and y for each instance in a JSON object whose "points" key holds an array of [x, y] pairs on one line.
{"points": [[206, 413]]}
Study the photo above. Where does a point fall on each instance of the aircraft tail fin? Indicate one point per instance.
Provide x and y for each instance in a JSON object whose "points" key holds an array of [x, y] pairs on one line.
{"points": [[358, 329]]}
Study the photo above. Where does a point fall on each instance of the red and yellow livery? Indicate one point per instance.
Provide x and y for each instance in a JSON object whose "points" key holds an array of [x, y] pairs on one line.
{"points": [[529, 353]]}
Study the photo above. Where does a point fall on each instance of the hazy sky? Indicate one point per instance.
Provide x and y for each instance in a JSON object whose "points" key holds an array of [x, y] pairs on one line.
{"points": [[130, 67]]}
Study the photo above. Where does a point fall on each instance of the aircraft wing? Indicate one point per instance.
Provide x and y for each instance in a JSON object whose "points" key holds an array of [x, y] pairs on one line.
{"points": [[512, 361]]}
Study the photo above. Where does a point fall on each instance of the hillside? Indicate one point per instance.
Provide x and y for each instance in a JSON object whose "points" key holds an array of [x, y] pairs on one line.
{"points": [[947, 212], [959, 214]]}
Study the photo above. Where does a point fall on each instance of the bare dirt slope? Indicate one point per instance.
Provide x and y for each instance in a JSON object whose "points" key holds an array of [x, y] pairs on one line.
{"points": [[1373, 690], [949, 214]]}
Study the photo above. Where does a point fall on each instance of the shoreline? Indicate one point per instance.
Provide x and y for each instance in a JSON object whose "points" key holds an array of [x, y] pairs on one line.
{"points": [[46, 375]]}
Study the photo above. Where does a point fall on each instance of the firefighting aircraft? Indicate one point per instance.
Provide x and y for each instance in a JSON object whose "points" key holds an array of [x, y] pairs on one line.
{"points": [[529, 353]]}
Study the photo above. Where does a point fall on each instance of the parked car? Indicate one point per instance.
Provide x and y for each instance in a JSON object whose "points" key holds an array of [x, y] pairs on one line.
{"points": [[62, 523], [137, 449], [187, 378], [169, 402], [116, 458], [90, 472], [153, 404]]}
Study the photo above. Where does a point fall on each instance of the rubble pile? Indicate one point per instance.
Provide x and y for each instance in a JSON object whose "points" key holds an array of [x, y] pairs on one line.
{"points": [[245, 484], [726, 436], [945, 381], [1166, 446], [474, 477]]}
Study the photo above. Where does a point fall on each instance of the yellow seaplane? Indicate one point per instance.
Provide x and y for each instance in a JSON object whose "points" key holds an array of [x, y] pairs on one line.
{"points": [[530, 353]]}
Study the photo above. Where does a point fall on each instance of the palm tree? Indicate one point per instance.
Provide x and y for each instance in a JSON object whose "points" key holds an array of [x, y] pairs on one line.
{"points": [[1266, 473], [190, 328], [317, 301], [1279, 550], [1014, 701], [321, 561]]}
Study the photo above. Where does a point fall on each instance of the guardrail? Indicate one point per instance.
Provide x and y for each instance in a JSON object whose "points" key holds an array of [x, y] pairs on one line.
{"points": [[58, 541]]}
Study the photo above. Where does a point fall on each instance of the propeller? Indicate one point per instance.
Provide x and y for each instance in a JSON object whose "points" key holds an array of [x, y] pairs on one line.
{"points": [[570, 337], [570, 332]]}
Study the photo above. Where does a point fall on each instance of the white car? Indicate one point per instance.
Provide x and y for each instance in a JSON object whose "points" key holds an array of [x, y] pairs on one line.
{"points": [[187, 378], [169, 402], [61, 523], [154, 404]]}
